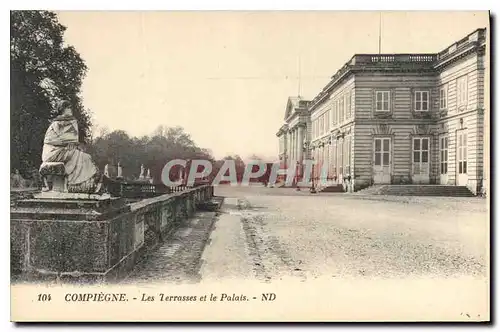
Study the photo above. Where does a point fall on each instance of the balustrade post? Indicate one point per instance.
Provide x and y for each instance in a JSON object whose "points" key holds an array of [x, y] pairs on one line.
{"points": [[190, 204]]}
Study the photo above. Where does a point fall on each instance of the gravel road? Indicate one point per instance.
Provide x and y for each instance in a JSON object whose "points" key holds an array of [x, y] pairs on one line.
{"points": [[270, 233]]}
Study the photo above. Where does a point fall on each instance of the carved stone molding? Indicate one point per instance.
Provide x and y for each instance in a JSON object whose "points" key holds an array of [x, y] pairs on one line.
{"points": [[422, 129], [443, 127], [383, 129]]}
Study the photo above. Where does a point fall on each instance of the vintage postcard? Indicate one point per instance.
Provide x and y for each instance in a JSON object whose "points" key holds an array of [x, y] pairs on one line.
{"points": [[258, 166]]}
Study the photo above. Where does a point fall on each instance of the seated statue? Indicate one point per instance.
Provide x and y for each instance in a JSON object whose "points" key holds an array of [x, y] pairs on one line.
{"points": [[16, 180], [62, 158]]}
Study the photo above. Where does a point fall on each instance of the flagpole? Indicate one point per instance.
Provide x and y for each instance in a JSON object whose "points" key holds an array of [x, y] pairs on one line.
{"points": [[298, 92], [380, 33]]}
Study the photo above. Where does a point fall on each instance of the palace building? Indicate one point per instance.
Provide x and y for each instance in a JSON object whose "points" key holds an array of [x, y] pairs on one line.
{"points": [[293, 134], [397, 119]]}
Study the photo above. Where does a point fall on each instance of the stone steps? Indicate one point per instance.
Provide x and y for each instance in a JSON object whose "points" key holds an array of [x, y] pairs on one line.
{"points": [[418, 190], [336, 188]]}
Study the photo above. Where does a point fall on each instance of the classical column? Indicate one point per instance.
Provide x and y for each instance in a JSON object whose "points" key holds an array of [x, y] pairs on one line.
{"points": [[342, 163], [295, 144], [301, 143], [285, 146], [328, 148], [289, 152]]}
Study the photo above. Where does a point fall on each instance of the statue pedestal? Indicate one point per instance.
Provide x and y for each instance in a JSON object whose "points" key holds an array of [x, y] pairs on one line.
{"points": [[71, 196], [69, 206], [82, 238], [73, 237]]}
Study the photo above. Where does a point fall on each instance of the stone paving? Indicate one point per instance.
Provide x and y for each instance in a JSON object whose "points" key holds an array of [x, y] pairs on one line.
{"points": [[274, 233], [178, 259]]}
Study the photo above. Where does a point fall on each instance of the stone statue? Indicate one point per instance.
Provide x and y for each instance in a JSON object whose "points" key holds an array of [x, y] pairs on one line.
{"points": [[148, 176], [106, 170], [141, 175], [119, 171], [62, 159], [17, 181]]}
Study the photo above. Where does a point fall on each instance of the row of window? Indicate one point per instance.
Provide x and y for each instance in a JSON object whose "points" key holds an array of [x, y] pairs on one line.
{"points": [[383, 104], [422, 98], [341, 111], [341, 108], [461, 96], [337, 156], [321, 125], [421, 150]]}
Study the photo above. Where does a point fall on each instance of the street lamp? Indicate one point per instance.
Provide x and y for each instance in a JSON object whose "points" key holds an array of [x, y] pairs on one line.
{"points": [[312, 190], [313, 187]]}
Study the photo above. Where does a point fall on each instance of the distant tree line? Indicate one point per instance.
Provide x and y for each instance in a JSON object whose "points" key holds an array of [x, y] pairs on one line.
{"points": [[153, 151]]}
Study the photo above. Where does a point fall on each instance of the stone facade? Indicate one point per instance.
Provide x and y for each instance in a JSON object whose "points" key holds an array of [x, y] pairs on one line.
{"points": [[293, 134], [404, 118]]}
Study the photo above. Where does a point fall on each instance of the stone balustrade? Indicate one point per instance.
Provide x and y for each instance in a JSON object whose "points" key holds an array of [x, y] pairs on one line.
{"points": [[88, 241]]}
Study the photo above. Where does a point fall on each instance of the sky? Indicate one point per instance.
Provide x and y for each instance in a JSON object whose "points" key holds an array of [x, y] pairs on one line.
{"points": [[225, 76]]}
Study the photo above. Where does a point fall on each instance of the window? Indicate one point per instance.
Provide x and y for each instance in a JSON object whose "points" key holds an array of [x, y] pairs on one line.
{"points": [[382, 150], [462, 152], [340, 156], [348, 105], [334, 157], [341, 110], [334, 113], [421, 100], [323, 120], [382, 101], [462, 91], [443, 155], [347, 155], [443, 97], [327, 120], [420, 150], [321, 125]]}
